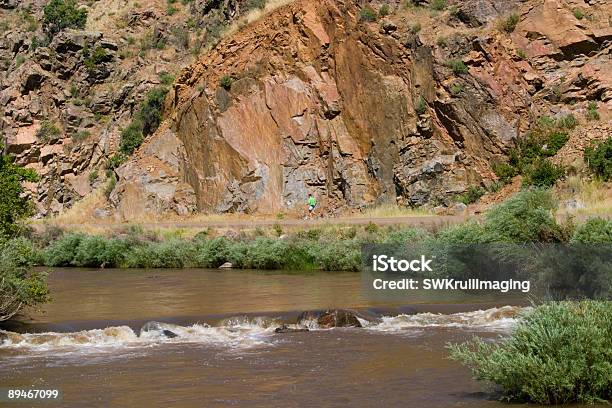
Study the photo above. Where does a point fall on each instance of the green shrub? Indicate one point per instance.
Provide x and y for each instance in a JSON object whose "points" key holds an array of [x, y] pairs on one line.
{"points": [[525, 217], [578, 13], [543, 173], [384, 10], [420, 105], [368, 14], [371, 228], [151, 110], [337, 255], [166, 78], [567, 122], [509, 23], [212, 253], [115, 161], [438, 5], [545, 139], [146, 121], [97, 251], [416, 27], [462, 234], [62, 251], [131, 139], [226, 82], [554, 142], [173, 253], [171, 10], [457, 66], [93, 176], [472, 195], [14, 204], [110, 184], [559, 353], [592, 113], [48, 131], [266, 253], [406, 235], [598, 157], [456, 88], [594, 231], [521, 53], [61, 14], [504, 171], [93, 60], [80, 136], [19, 60]]}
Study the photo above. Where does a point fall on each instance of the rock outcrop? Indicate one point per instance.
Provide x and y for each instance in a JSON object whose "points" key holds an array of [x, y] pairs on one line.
{"points": [[321, 102]]}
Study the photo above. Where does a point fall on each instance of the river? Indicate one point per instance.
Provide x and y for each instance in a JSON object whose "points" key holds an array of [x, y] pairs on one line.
{"points": [[87, 342]]}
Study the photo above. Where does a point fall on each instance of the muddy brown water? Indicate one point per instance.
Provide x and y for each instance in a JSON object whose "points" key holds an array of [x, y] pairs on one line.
{"points": [[87, 342]]}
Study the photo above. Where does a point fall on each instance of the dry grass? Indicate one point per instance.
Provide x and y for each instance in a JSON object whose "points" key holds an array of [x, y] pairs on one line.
{"points": [[254, 15], [593, 196], [391, 211]]}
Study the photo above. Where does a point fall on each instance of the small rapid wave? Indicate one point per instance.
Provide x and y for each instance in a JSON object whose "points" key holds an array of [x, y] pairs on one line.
{"points": [[235, 333], [503, 318]]}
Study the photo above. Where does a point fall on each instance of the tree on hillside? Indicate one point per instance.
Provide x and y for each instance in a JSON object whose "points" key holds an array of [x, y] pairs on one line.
{"points": [[20, 286], [14, 206], [61, 14]]}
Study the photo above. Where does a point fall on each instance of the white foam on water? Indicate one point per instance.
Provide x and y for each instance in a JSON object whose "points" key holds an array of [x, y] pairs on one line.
{"points": [[239, 333], [503, 319]]}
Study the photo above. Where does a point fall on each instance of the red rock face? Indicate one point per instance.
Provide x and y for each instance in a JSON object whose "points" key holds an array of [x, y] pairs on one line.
{"points": [[322, 103]]}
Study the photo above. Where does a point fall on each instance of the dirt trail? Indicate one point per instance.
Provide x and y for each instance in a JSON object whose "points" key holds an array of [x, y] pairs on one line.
{"points": [[432, 222]]}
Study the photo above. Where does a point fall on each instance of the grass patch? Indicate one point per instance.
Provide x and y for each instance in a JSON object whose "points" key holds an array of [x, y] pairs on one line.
{"points": [[457, 66], [509, 23], [578, 13], [226, 82], [592, 113], [438, 5], [367, 14], [472, 195], [48, 131], [420, 106]]}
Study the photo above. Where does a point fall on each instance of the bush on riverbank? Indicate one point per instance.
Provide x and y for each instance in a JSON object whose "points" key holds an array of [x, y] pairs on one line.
{"points": [[526, 217], [559, 353]]}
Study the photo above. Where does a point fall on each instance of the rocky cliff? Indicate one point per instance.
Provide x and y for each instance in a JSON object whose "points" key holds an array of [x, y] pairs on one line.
{"points": [[315, 97]]}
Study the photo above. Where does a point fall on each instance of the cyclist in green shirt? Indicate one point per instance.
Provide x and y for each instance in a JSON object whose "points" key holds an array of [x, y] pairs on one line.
{"points": [[312, 203]]}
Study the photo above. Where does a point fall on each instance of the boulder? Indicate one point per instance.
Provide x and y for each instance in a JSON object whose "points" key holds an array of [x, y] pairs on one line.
{"points": [[330, 318], [227, 265]]}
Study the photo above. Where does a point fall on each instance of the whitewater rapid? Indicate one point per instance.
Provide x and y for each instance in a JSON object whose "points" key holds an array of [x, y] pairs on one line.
{"points": [[242, 332]]}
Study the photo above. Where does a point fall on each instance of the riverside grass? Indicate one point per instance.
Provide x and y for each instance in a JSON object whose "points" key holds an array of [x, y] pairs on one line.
{"points": [[560, 352], [526, 217]]}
